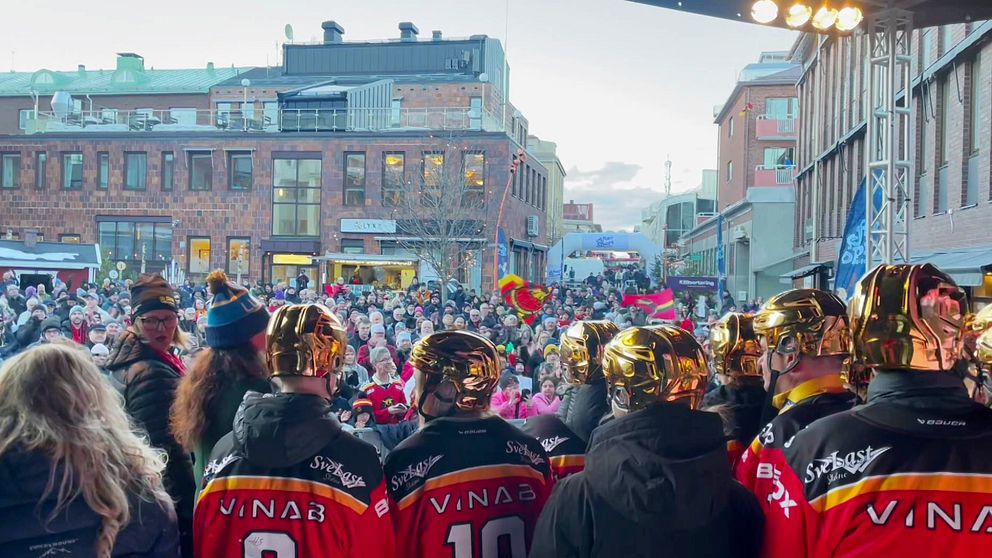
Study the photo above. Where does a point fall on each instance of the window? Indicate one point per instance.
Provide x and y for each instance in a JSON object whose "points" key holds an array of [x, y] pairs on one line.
{"points": [[238, 255], [224, 114], [199, 254], [433, 173], [23, 116], [474, 171], [352, 246], [70, 238], [270, 113], [40, 174], [396, 112], [103, 172], [168, 171], [475, 113], [126, 238], [10, 170], [296, 197], [782, 108], [946, 38], [72, 171], [730, 171], [239, 167], [730, 127], [393, 171], [976, 102], [776, 157], [135, 170], [354, 179], [201, 171], [947, 97]]}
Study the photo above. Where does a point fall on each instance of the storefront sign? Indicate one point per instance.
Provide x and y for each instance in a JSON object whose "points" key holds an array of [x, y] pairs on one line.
{"points": [[368, 226], [691, 283]]}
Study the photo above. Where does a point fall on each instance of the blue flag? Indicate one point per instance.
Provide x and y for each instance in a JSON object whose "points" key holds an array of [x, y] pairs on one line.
{"points": [[854, 247]]}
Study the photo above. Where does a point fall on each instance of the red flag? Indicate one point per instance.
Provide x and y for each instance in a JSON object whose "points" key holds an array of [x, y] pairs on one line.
{"points": [[660, 306], [525, 298]]}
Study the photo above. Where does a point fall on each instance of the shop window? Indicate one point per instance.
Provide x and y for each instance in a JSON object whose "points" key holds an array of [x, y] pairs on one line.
{"points": [[352, 246], [199, 254], [238, 255], [130, 239]]}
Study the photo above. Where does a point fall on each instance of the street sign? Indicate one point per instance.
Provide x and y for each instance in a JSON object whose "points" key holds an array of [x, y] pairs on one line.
{"points": [[114, 274], [121, 266]]}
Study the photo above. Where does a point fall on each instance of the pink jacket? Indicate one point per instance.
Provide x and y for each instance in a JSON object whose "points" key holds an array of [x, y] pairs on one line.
{"points": [[502, 407], [544, 407]]}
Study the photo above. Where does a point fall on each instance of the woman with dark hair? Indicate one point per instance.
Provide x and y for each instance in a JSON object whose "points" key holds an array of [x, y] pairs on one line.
{"points": [[209, 395]]}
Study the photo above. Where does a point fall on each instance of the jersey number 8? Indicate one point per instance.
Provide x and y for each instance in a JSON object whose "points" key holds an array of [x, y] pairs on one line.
{"points": [[460, 538]]}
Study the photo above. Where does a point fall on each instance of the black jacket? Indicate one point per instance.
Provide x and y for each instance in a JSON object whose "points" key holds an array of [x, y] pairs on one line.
{"points": [[28, 333], [656, 483], [745, 404], [25, 531], [149, 390], [584, 407]]}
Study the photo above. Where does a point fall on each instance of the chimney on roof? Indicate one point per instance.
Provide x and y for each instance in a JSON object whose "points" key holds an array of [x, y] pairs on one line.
{"points": [[332, 33], [436, 35], [81, 69], [408, 32]]}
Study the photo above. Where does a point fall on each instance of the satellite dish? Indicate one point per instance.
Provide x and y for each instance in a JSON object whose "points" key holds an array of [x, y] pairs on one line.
{"points": [[289, 32], [484, 77]]}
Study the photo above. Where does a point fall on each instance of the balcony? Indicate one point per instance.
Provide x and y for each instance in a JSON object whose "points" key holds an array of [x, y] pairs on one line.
{"points": [[267, 121], [777, 175], [776, 127]]}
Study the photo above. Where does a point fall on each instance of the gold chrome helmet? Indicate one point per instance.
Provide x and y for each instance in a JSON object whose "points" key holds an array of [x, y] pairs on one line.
{"points": [[907, 317], [305, 340], [734, 347], [643, 365], [816, 321], [582, 349], [466, 359]]}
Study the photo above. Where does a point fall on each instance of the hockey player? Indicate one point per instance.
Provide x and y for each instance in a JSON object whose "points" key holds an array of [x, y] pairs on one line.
{"points": [[656, 480], [806, 341], [741, 396], [910, 472], [586, 402], [468, 483], [582, 364], [288, 481]]}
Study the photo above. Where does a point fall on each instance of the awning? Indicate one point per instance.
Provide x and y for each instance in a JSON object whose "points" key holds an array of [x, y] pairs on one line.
{"points": [[528, 245], [48, 255], [966, 266], [807, 270], [368, 259]]}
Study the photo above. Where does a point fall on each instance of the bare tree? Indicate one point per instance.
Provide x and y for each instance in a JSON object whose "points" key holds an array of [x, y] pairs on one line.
{"points": [[442, 214]]}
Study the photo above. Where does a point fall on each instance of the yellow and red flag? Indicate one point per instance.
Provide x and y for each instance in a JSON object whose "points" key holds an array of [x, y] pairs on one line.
{"points": [[525, 298], [660, 306]]}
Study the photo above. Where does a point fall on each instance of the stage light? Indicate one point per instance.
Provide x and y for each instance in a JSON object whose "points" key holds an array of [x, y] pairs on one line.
{"points": [[798, 15], [824, 18], [764, 11], [848, 18]]}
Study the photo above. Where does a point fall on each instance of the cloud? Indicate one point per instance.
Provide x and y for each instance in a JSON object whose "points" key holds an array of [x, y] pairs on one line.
{"points": [[617, 200]]}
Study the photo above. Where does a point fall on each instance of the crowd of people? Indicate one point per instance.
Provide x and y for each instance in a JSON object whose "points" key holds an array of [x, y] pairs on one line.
{"points": [[219, 420]]}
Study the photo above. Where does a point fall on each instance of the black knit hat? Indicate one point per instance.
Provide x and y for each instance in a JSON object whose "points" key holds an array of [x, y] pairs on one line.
{"points": [[152, 292]]}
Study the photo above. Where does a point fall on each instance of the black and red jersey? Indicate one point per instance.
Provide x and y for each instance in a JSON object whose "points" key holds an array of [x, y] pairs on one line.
{"points": [[383, 397], [289, 482], [566, 451], [801, 406], [884, 479], [467, 487]]}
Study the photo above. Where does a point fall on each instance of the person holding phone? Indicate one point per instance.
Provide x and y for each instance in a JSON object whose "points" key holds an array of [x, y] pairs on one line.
{"points": [[385, 391]]}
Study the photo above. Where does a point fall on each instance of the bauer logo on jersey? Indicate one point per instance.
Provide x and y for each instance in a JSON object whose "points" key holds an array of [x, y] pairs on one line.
{"points": [[217, 466], [838, 467], [521, 448], [549, 444], [417, 471], [335, 471], [767, 437]]}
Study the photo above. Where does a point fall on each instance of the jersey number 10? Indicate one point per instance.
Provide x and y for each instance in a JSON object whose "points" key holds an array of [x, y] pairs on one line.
{"points": [[460, 538]]}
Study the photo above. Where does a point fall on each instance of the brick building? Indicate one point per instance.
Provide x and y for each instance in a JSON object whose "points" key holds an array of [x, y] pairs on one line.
{"points": [[952, 134], [577, 218], [269, 172], [757, 136]]}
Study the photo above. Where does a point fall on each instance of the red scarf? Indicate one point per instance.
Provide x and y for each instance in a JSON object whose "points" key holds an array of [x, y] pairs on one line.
{"points": [[79, 333], [172, 360]]}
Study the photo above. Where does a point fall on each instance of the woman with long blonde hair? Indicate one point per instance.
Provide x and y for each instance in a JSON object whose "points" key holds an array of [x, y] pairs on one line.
{"points": [[74, 476]]}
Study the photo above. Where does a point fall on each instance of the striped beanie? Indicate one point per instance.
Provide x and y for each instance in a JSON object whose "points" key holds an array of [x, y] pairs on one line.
{"points": [[233, 315]]}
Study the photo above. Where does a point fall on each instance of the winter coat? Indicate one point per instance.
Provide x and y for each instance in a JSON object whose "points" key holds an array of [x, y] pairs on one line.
{"points": [[544, 407], [745, 403], [656, 483], [220, 418], [499, 405], [25, 531], [149, 391], [28, 333], [584, 407]]}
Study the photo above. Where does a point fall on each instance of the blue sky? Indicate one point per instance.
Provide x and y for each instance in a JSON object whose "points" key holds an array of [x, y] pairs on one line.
{"points": [[617, 85]]}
